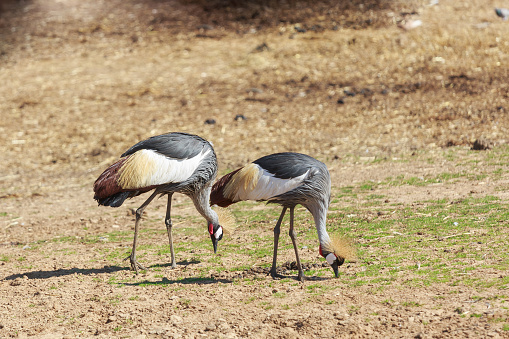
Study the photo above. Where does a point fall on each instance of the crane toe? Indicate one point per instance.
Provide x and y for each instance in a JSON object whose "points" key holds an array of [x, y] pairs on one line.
{"points": [[135, 265], [273, 273]]}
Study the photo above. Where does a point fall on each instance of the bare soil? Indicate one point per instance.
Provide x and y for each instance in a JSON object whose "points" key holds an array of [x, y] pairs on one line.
{"points": [[81, 81]]}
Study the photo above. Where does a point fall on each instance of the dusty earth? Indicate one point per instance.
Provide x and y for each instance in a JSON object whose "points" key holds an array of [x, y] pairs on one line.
{"points": [[81, 81]]}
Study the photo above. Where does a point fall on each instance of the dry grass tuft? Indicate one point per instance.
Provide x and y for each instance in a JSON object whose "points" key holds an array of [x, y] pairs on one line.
{"points": [[226, 219], [342, 247]]}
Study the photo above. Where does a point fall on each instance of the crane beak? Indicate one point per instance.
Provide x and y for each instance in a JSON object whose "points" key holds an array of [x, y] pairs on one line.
{"points": [[214, 243], [335, 265]]}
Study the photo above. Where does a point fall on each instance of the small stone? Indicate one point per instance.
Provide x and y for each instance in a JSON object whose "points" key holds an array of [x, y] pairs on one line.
{"points": [[156, 330], [210, 122], [206, 27], [175, 319], [16, 282], [210, 327], [261, 48]]}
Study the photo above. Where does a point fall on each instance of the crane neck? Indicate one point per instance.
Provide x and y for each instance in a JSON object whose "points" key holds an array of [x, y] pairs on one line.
{"points": [[319, 212], [201, 200]]}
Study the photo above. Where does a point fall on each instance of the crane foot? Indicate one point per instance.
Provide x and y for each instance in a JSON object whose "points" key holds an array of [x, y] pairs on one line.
{"points": [[275, 275], [135, 265]]}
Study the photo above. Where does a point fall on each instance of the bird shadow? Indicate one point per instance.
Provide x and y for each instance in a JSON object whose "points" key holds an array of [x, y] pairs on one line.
{"points": [[85, 271], [306, 278], [64, 272], [188, 281], [181, 263], [164, 281]]}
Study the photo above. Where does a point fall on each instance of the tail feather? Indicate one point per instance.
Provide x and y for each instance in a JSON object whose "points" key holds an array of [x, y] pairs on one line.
{"points": [[115, 200], [217, 194], [106, 188]]}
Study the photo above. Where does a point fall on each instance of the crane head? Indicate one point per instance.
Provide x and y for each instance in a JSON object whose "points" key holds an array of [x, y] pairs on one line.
{"points": [[216, 234], [333, 260]]}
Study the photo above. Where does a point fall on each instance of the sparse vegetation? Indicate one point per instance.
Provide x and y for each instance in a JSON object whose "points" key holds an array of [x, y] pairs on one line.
{"points": [[392, 112]]}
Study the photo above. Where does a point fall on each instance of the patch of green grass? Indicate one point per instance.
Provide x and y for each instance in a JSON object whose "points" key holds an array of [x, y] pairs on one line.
{"points": [[410, 304], [375, 196], [505, 327], [318, 288], [4, 258], [249, 300], [266, 305], [115, 300], [352, 309], [367, 186]]}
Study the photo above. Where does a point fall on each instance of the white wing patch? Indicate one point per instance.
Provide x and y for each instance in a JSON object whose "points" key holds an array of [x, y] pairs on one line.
{"points": [[149, 168], [268, 186]]}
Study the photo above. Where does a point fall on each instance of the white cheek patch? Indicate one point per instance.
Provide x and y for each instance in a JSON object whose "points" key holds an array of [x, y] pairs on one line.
{"points": [[330, 258], [218, 233]]}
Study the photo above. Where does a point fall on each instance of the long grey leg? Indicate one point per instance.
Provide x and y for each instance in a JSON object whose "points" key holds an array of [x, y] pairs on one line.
{"points": [[169, 225], [277, 230], [132, 258], [294, 241]]}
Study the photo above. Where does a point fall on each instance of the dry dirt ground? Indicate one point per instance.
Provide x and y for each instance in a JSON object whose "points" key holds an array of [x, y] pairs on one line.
{"points": [[81, 81]]}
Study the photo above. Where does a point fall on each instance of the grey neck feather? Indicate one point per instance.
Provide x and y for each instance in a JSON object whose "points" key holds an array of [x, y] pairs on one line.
{"points": [[201, 200], [319, 212]]}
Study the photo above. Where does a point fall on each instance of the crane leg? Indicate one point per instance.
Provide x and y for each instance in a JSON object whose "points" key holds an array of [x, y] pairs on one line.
{"points": [[169, 225], [277, 230], [132, 258], [294, 242]]}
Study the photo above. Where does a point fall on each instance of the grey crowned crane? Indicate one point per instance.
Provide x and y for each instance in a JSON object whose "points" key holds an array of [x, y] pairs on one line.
{"points": [[287, 179], [168, 163]]}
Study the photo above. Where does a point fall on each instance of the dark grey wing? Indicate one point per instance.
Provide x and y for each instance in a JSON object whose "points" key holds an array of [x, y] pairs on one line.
{"points": [[287, 165], [172, 145], [316, 184]]}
